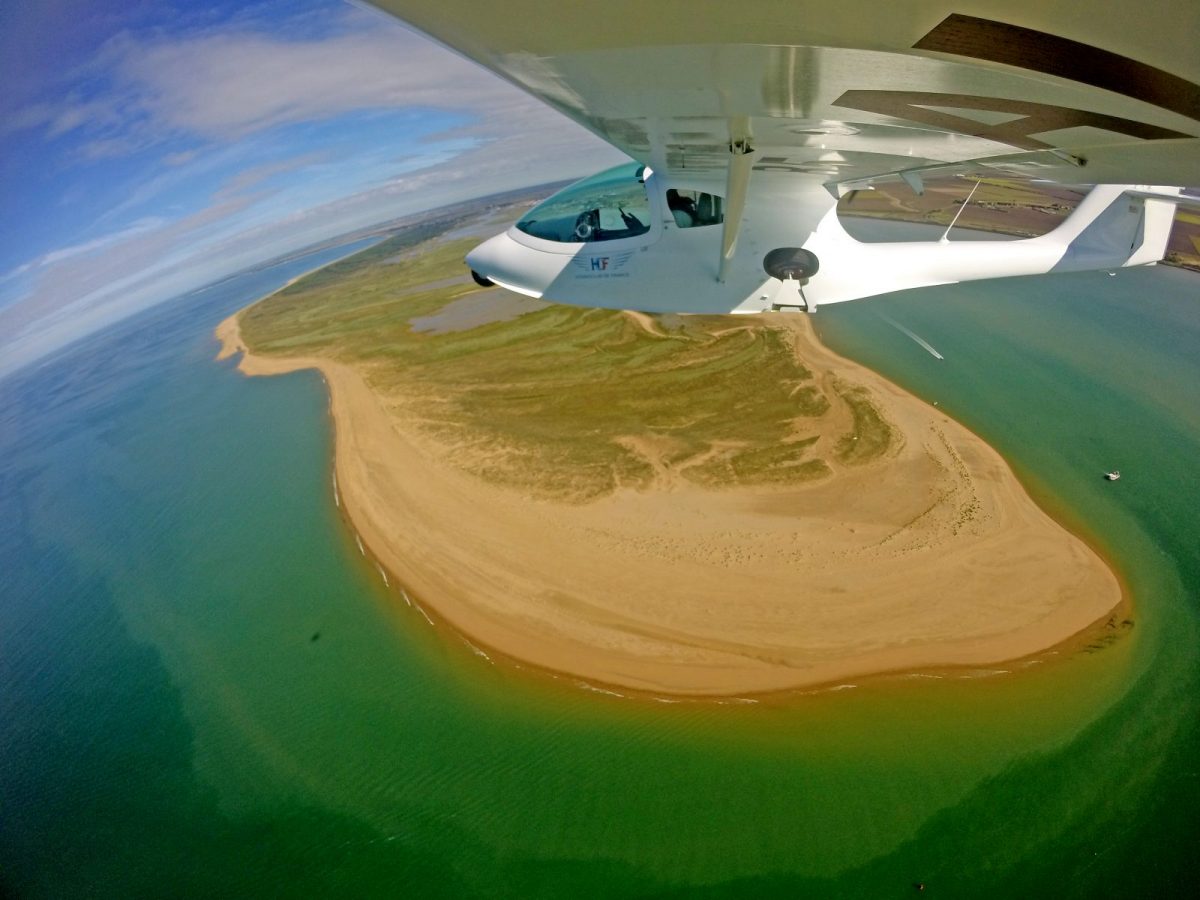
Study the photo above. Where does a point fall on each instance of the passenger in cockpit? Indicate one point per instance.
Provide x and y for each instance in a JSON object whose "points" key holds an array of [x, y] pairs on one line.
{"points": [[682, 208]]}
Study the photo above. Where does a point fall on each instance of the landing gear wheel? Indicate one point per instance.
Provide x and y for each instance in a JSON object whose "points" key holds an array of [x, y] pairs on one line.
{"points": [[791, 262]]}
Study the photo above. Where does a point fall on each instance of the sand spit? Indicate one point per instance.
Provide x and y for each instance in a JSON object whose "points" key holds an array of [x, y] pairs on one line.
{"points": [[932, 557]]}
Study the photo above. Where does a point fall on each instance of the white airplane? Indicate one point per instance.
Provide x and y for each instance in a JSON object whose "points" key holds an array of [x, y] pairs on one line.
{"points": [[748, 119]]}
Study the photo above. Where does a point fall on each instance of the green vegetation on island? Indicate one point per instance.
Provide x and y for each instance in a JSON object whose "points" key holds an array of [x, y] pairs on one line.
{"points": [[566, 402], [870, 435]]}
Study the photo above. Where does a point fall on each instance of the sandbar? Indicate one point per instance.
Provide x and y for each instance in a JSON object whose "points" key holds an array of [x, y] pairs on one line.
{"points": [[934, 556]]}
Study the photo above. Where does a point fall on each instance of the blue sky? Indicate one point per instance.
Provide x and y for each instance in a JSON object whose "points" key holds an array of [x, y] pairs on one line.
{"points": [[148, 148]]}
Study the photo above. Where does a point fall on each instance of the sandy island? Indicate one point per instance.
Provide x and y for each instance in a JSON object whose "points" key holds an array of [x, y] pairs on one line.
{"points": [[932, 557]]}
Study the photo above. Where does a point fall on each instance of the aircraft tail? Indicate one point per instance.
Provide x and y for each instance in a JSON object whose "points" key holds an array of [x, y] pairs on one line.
{"points": [[1117, 225]]}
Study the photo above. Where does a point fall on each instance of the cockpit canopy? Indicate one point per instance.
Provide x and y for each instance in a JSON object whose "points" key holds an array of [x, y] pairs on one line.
{"points": [[607, 206], [613, 205]]}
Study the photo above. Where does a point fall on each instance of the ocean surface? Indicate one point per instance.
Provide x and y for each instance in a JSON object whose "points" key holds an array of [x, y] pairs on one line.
{"points": [[205, 689]]}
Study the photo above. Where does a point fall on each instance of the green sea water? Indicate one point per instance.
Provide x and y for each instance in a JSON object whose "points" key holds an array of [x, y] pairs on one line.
{"points": [[205, 689]]}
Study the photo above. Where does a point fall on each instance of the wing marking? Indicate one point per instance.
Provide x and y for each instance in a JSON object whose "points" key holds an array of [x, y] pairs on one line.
{"points": [[1037, 51]]}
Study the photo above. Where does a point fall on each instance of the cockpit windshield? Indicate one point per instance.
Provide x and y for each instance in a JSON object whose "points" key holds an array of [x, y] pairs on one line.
{"points": [[605, 207]]}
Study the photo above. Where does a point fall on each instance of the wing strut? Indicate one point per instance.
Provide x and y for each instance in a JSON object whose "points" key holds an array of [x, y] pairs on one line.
{"points": [[946, 235], [741, 163]]}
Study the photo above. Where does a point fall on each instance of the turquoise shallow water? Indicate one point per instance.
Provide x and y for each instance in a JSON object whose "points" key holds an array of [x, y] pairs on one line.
{"points": [[169, 725]]}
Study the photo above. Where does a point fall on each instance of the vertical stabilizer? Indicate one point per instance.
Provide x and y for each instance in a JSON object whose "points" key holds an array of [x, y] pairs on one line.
{"points": [[1117, 225]]}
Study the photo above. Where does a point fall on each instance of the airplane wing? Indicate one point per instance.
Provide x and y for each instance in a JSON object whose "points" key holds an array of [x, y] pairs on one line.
{"points": [[769, 109]]}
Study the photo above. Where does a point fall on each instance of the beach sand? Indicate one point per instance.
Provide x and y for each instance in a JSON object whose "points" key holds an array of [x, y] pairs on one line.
{"points": [[933, 556]]}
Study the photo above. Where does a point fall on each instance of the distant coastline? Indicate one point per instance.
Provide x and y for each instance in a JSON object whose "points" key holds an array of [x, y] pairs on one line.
{"points": [[934, 557]]}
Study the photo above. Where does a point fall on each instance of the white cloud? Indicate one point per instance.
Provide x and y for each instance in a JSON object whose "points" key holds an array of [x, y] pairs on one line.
{"points": [[147, 223], [224, 86], [220, 86], [180, 158]]}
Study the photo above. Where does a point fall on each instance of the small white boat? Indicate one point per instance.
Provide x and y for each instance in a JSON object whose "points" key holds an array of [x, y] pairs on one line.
{"points": [[1113, 475]]}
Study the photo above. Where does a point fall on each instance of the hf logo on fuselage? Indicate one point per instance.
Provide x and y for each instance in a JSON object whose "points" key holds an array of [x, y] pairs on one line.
{"points": [[610, 266]]}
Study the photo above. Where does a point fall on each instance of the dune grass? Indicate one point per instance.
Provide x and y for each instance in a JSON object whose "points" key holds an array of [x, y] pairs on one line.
{"points": [[870, 436], [566, 402]]}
